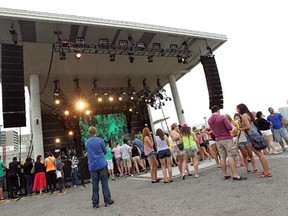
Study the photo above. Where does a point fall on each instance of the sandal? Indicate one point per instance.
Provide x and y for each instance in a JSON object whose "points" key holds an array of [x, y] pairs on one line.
{"points": [[248, 171], [255, 170], [265, 174]]}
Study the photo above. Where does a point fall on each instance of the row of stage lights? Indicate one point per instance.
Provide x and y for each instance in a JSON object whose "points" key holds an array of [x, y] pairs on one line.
{"points": [[125, 47]]}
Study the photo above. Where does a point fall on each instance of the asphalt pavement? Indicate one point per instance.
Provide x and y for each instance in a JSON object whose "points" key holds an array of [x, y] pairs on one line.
{"points": [[207, 195]]}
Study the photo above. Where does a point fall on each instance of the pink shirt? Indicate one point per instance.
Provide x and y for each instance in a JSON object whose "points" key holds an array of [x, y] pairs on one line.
{"points": [[147, 148], [117, 151]]}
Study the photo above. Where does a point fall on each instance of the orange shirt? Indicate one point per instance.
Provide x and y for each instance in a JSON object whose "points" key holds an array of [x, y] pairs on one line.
{"points": [[50, 163]]}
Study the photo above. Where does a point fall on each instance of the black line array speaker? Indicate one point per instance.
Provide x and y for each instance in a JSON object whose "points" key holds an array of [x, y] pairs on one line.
{"points": [[13, 96], [213, 81]]}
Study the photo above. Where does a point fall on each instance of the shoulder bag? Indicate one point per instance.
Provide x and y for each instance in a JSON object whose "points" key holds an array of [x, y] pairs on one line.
{"points": [[258, 143]]}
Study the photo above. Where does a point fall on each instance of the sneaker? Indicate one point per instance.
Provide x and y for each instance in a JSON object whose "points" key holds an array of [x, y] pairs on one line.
{"points": [[183, 177], [109, 203]]}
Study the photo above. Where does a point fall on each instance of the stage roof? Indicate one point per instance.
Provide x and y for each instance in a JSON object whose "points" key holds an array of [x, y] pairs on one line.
{"points": [[36, 32]]}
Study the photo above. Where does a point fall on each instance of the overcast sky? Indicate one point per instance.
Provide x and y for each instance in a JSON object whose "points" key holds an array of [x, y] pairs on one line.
{"points": [[252, 63]]}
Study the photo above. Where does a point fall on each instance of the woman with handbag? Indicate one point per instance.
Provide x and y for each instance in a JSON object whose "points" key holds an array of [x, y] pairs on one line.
{"points": [[60, 175], [251, 132]]}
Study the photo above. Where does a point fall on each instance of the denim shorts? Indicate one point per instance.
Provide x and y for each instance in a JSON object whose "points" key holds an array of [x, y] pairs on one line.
{"points": [[118, 159], [150, 155], [164, 153], [243, 144], [190, 152]]}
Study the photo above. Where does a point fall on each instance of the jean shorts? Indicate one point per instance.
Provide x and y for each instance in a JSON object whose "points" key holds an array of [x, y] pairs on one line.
{"points": [[164, 153], [150, 155], [190, 152], [117, 160], [242, 144]]}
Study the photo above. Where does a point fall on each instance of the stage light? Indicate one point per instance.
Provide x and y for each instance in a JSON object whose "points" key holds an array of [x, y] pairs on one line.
{"points": [[131, 57], [112, 57], [173, 46], [105, 93], [156, 46], [78, 55], [130, 110], [123, 43], [87, 112], [57, 101], [120, 98], [100, 99], [66, 112], [62, 55], [57, 140], [140, 45], [150, 58], [70, 133], [103, 41], [80, 105], [132, 98], [111, 99], [80, 40]]}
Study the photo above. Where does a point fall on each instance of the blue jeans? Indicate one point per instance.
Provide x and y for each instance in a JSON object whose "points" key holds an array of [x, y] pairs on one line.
{"points": [[101, 175], [74, 176], [28, 183]]}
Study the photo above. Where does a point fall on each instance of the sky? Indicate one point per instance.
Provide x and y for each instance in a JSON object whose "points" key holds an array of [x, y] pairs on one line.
{"points": [[251, 64]]}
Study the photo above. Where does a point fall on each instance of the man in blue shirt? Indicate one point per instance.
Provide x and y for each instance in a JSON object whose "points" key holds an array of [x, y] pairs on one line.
{"points": [[97, 164], [140, 146], [279, 127]]}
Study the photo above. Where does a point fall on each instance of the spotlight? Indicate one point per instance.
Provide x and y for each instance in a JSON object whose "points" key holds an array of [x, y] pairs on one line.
{"points": [[112, 57], [87, 112], [132, 98], [66, 112], [120, 98], [57, 140], [70, 133], [100, 99], [78, 55], [80, 105], [130, 110], [111, 99], [57, 101]]}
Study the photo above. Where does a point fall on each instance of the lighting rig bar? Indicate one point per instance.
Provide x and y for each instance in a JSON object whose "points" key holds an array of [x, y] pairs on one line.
{"points": [[107, 48]]}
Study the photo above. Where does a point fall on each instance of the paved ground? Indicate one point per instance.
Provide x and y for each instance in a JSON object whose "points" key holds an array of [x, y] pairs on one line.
{"points": [[207, 195]]}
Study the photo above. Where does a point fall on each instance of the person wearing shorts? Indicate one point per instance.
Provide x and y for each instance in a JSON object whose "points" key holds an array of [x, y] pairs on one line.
{"points": [[126, 157], [190, 142], [118, 159], [224, 141], [110, 166], [164, 154]]}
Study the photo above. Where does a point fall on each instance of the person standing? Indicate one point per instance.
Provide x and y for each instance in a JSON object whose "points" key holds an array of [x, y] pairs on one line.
{"points": [[126, 157], [97, 165], [249, 126], [109, 157], [279, 127], [224, 141], [39, 178], [13, 172], [59, 167], [50, 164], [140, 146], [28, 165], [74, 170], [2, 167]]}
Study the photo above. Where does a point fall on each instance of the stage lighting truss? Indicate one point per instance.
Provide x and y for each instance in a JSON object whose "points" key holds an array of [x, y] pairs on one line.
{"points": [[123, 48]]}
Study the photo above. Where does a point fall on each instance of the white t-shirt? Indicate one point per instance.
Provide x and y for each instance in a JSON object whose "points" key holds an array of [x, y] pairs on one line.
{"points": [[125, 149]]}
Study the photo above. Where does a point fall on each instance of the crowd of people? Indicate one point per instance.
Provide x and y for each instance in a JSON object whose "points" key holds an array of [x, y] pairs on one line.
{"points": [[226, 140], [34, 177]]}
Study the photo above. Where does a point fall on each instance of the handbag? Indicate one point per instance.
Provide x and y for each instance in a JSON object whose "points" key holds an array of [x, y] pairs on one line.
{"points": [[180, 146], [258, 143], [58, 174]]}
